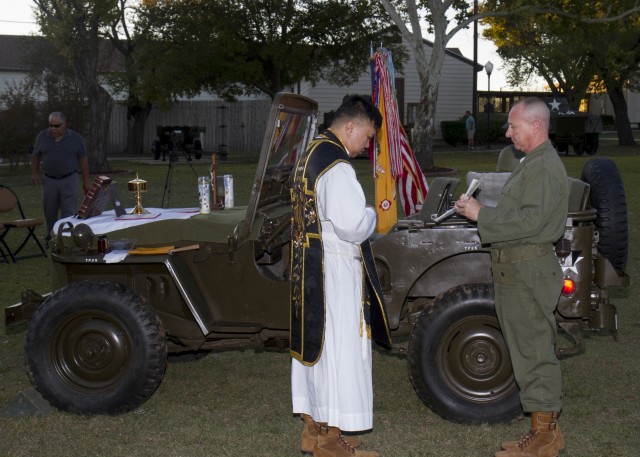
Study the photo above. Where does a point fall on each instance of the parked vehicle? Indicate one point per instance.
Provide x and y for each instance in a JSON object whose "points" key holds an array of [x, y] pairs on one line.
{"points": [[569, 128], [98, 344], [177, 140]]}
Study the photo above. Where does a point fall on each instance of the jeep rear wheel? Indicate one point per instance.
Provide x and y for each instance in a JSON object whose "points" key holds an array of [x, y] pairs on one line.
{"points": [[578, 148], [608, 198], [458, 361], [96, 347], [592, 141]]}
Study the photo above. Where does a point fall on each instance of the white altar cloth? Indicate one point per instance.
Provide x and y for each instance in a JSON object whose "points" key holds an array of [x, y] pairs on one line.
{"points": [[108, 222]]}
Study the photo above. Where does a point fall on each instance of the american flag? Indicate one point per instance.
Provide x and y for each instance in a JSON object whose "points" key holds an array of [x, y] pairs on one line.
{"points": [[412, 184], [393, 145]]}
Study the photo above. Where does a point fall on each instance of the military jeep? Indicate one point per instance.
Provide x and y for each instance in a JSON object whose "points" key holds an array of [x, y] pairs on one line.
{"points": [[98, 344], [567, 128]]}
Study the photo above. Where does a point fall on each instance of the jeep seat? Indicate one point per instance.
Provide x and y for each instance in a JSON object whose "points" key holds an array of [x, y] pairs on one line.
{"points": [[578, 195], [490, 187], [439, 197]]}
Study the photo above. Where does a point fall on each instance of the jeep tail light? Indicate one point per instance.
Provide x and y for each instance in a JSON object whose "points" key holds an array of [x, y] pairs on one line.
{"points": [[568, 287]]}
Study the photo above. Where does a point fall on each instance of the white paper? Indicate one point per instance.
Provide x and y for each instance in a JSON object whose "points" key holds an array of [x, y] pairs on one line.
{"points": [[470, 190]]}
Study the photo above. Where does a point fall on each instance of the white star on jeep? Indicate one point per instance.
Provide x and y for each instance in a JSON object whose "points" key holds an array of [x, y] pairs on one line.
{"points": [[574, 265], [554, 105]]}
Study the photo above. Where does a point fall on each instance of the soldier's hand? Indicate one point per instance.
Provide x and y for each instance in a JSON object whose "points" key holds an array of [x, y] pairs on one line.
{"points": [[469, 207]]}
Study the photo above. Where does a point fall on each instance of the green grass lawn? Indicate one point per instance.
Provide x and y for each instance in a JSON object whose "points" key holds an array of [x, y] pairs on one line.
{"points": [[237, 402]]}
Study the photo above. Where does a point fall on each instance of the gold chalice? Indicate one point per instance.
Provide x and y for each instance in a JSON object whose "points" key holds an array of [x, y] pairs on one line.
{"points": [[138, 186]]}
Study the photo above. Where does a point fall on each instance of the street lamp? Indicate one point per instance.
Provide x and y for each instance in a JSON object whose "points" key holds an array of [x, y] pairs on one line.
{"points": [[488, 67]]}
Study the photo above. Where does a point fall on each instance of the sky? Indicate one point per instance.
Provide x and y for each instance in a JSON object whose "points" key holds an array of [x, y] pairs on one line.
{"points": [[16, 18]]}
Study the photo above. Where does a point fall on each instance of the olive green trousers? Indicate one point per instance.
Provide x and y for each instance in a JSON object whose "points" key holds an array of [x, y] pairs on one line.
{"points": [[526, 295]]}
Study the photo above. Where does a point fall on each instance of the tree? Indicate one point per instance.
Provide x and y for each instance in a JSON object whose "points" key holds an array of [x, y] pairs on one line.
{"points": [[445, 18], [615, 50], [429, 70], [49, 74], [128, 80], [52, 75], [76, 29], [599, 51], [258, 46], [174, 43], [536, 45], [18, 119]]}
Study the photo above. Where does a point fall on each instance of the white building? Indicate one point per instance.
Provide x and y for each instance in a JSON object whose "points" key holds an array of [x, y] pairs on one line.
{"points": [[455, 95], [454, 98]]}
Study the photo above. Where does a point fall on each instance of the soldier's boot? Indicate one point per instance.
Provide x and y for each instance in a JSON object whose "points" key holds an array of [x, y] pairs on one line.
{"points": [[310, 436], [545, 439], [331, 443], [511, 444]]}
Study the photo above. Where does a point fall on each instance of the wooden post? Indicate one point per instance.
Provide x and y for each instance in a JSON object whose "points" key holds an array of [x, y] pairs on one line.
{"points": [[213, 169]]}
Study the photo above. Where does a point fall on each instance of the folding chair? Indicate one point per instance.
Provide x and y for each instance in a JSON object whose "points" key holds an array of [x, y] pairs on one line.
{"points": [[3, 256], [9, 202]]}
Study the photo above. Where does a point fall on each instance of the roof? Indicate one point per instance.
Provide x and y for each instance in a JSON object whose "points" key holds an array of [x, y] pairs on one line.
{"points": [[456, 53], [13, 55]]}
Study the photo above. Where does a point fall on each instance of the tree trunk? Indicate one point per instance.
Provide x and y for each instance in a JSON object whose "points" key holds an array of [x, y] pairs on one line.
{"points": [[136, 126], [101, 105], [429, 71], [619, 103], [425, 127]]}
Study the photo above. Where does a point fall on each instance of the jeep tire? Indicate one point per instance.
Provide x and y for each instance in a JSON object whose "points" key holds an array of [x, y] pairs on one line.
{"points": [[578, 148], [592, 142], [458, 360], [607, 197], [96, 347]]}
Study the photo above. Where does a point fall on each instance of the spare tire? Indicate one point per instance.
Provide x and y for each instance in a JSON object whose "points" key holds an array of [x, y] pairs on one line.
{"points": [[608, 199]]}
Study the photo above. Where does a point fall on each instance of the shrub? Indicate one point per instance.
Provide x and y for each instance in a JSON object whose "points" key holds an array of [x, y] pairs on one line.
{"points": [[454, 132], [608, 120]]}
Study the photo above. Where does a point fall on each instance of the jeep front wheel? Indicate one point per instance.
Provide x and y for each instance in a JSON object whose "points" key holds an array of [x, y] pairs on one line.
{"points": [[458, 361], [96, 347]]}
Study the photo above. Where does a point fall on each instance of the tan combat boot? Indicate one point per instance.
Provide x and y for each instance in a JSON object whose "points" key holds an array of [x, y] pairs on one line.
{"points": [[331, 443], [543, 440], [310, 436]]}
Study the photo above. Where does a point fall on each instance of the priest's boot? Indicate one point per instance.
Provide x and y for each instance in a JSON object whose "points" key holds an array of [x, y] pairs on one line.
{"points": [[331, 443], [310, 436], [543, 440]]}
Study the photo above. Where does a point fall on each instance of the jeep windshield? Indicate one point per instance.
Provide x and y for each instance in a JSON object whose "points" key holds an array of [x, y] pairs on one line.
{"points": [[291, 126]]}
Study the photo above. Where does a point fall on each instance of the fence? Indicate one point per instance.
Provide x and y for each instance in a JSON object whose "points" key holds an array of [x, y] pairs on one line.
{"points": [[235, 128]]}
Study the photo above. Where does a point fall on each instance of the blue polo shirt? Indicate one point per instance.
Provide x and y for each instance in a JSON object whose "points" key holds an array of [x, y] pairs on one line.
{"points": [[59, 158]]}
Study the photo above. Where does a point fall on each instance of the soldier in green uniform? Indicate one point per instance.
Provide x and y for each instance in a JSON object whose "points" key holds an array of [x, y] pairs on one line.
{"points": [[529, 217]]}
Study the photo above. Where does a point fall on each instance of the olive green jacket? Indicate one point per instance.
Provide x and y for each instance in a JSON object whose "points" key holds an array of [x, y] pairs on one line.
{"points": [[534, 203]]}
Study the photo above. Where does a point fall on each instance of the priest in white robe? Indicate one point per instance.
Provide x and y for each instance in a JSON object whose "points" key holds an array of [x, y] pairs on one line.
{"points": [[336, 301]]}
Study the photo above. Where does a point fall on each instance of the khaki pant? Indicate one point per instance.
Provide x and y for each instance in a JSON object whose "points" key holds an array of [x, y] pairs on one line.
{"points": [[526, 295]]}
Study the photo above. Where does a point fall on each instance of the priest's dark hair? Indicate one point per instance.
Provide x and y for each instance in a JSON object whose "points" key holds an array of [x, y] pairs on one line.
{"points": [[359, 107]]}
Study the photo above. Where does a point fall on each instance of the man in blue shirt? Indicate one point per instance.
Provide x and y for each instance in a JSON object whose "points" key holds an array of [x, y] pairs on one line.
{"points": [[59, 150]]}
